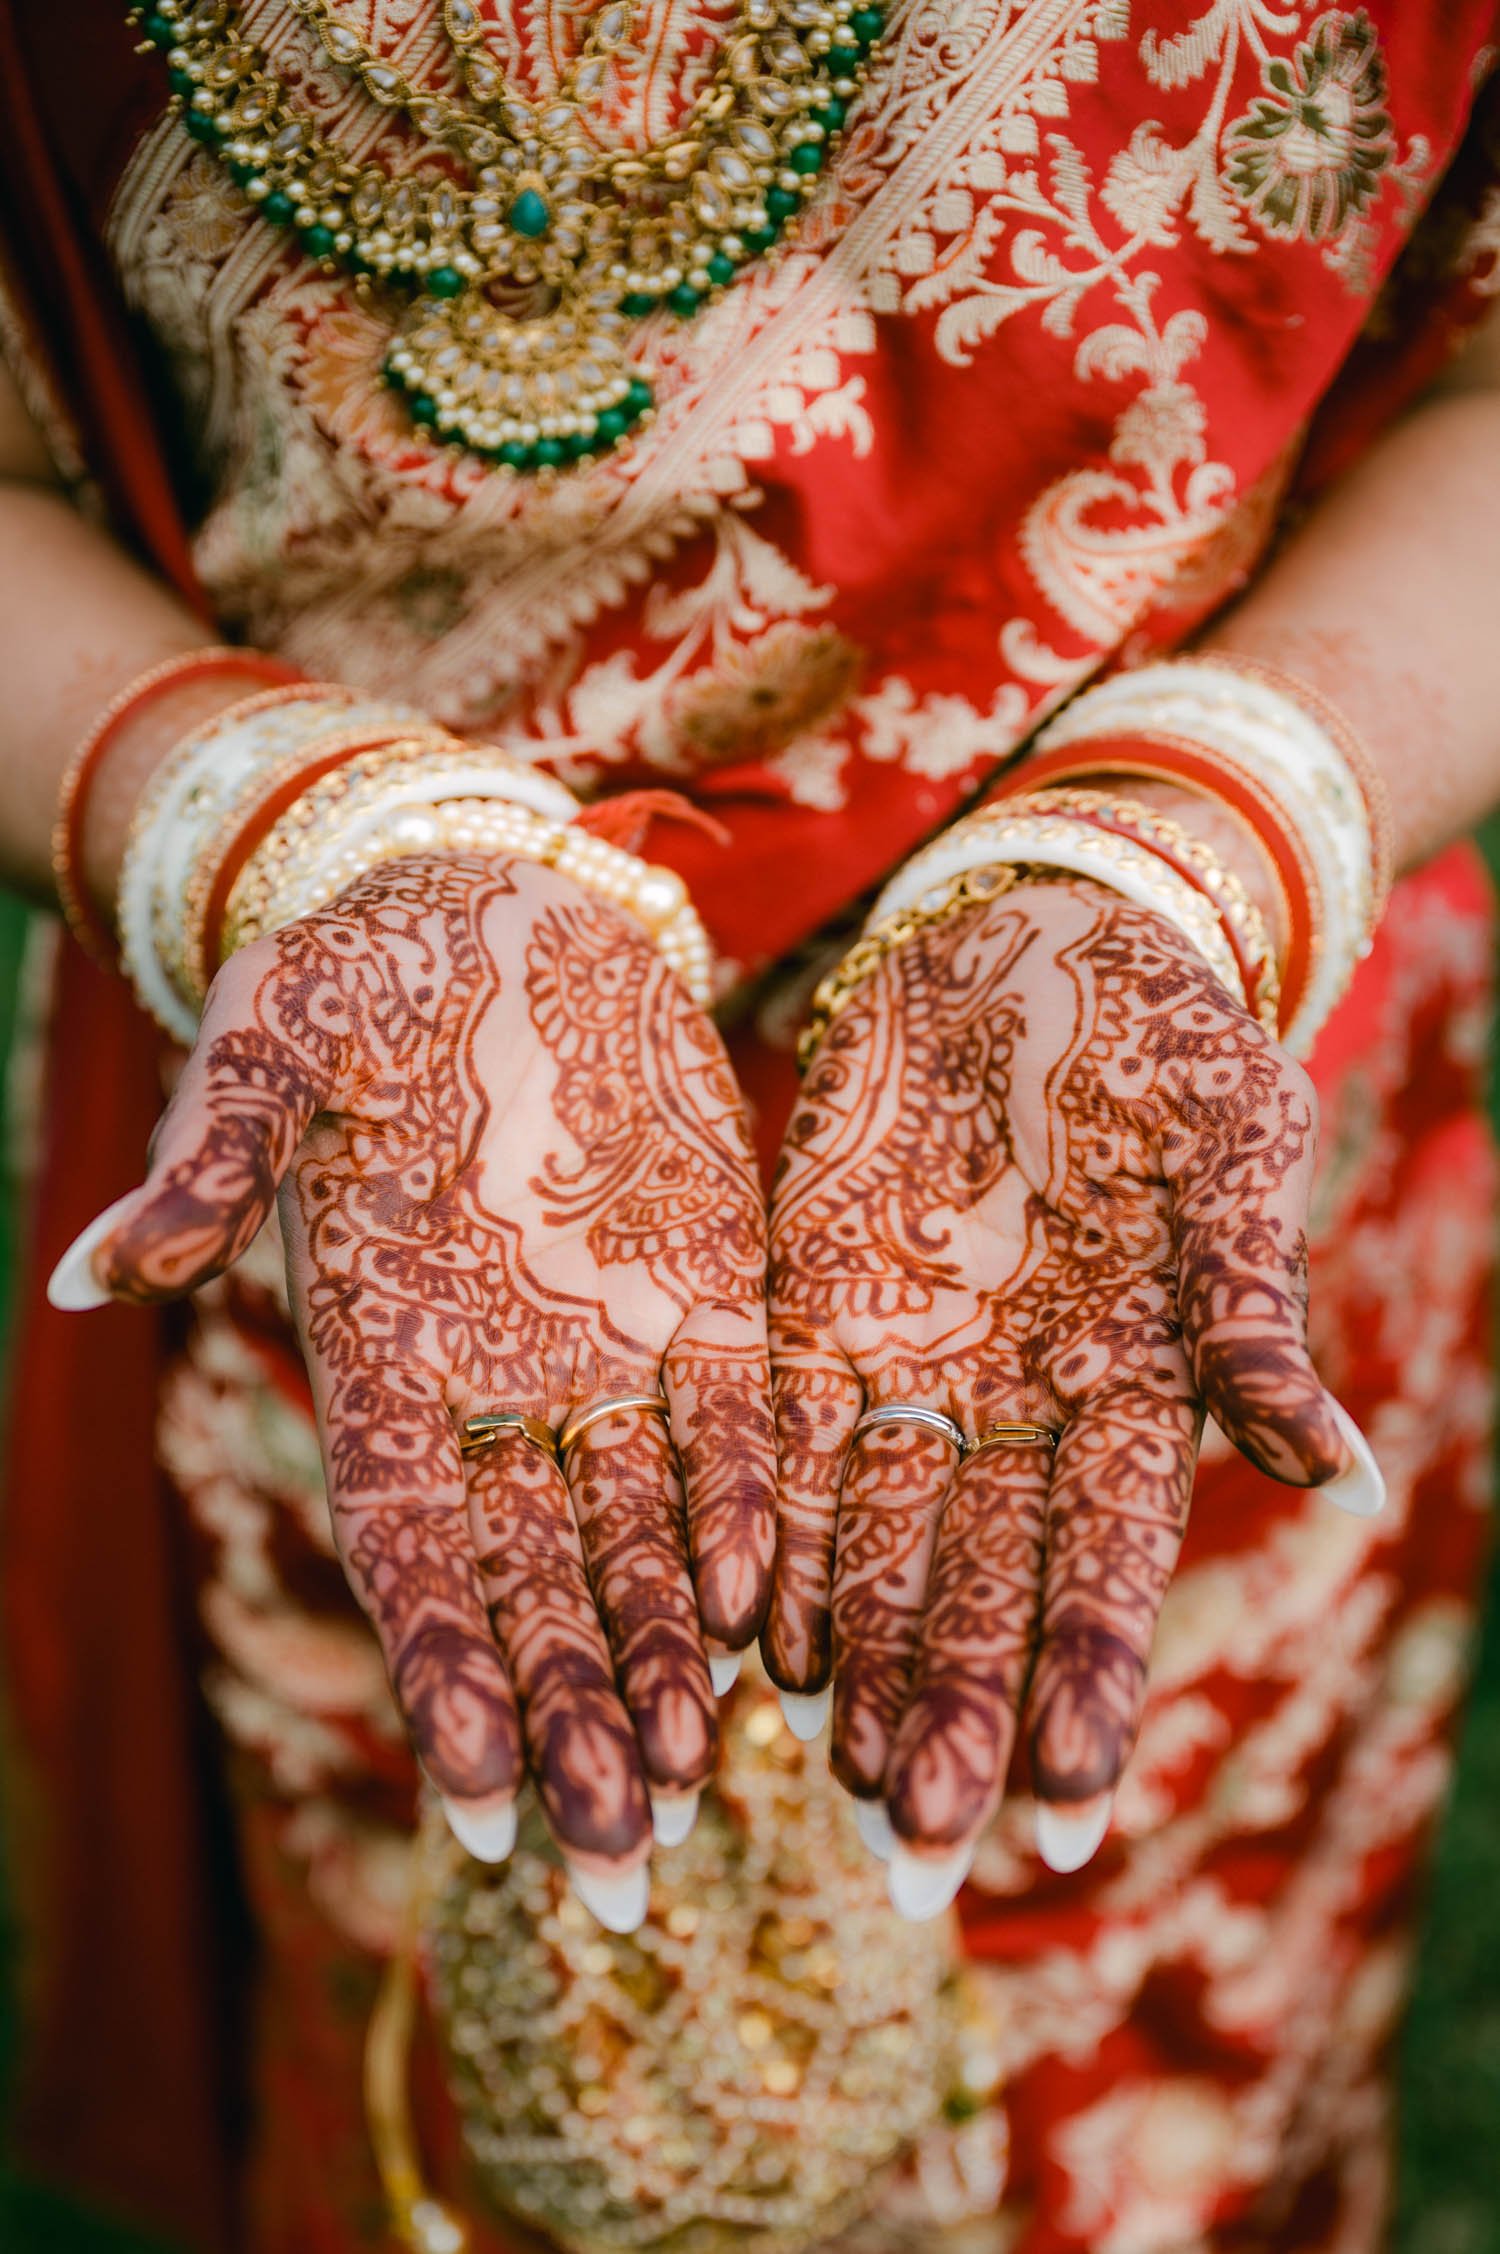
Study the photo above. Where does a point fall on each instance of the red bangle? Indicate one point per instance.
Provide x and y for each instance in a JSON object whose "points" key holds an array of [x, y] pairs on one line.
{"points": [[89, 926], [1212, 775]]}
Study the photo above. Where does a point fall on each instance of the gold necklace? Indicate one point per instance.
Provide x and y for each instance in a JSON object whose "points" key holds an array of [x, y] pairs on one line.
{"points": [[531, 200]]}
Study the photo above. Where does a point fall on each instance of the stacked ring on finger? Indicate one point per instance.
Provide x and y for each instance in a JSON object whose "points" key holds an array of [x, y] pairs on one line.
{"points": [[479, 1434], [573, 1431], [1015, 1433]]}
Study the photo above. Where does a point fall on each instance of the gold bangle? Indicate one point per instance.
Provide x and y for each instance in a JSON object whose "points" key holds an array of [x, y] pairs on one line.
{"points": [[972, 888]]}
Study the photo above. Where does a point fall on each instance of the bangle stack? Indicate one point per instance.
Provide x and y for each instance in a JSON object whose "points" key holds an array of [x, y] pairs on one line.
{"points": [[84, 919], [1264, 750], [1287, 766], [281, 802]]}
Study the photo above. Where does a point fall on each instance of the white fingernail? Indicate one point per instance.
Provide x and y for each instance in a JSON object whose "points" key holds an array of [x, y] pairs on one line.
{"points": [[73, 1286], [618, 1899], [488, 1833], [922, 1885], [673, 1815], [805, 1713], [1067, 1838], [724, 1670], [874, 1827], [1361, 1489]]}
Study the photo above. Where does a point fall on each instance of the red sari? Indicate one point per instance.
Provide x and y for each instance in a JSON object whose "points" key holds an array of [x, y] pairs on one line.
{"points": [[1082, 296]]}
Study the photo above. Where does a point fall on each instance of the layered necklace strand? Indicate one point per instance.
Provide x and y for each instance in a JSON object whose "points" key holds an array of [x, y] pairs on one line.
{"points": [[534, 253]]}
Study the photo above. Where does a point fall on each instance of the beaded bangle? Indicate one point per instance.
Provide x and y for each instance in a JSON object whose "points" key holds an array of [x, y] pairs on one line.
{"points": [[1234, 717], [1240, 920], [493, 827], [88, 925], [397, 784], [1236, 791], [994, 837]]}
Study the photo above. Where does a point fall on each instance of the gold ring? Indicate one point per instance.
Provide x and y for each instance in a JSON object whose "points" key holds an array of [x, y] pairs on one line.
{"points": [[904, 1412], [1013, 1436], [574, 1430], [481, 1433]]}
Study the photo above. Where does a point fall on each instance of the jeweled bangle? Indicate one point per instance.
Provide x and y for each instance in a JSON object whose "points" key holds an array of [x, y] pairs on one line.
{"points": [[1244, 719], [994, 837], [88, 925], [1240, 920], [1229, 786], [493, 828]]}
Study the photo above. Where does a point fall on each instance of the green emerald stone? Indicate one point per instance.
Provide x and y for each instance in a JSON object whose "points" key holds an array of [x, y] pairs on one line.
{"points": [[637, 399], [181, 83], [782, 202], [685, 300], [201, 125], [577, 444], [637, 303], [318, 241], [806, 157], [549, 453], [516, 456], [759, 239], [842, 62], [160, 30], [529, 214], [867, 24], [445, 281], [833, 115], [720, 269], [611, 427], [422, 408], [278, 208]]}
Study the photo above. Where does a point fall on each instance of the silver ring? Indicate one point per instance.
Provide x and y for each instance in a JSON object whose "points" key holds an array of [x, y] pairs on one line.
{"points": [[927, 1420], [573, 1431]]}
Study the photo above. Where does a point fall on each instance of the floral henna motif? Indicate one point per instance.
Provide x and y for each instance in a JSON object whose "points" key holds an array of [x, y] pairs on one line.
{"points": [[513, 1173], [1042, 1168]]}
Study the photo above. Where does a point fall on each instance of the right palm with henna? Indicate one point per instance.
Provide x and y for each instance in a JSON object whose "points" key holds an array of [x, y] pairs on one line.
{"points": [[514, 1173], [1042, 1168]]}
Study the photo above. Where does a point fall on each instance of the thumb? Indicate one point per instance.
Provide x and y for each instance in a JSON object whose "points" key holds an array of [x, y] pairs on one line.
{"points": [[241, 1107]]}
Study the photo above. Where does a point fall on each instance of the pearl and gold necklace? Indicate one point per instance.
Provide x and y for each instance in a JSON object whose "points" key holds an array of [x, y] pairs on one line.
{"points": [[532, 248]]}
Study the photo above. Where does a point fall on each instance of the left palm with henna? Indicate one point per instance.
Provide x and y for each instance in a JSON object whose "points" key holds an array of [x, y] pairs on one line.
{"points": [[514, 1174], [1043, 1168]]}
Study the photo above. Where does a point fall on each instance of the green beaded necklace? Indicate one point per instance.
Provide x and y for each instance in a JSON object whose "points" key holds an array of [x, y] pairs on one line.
{"points": [[605, 237]]}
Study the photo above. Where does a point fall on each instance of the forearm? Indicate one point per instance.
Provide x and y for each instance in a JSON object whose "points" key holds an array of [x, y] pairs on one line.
{"points": [[78, 621], [1385, 602]]}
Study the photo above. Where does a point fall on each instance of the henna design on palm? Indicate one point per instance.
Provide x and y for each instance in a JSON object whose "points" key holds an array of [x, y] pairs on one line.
{"points": [[1042, 1168], [514, 1172]]}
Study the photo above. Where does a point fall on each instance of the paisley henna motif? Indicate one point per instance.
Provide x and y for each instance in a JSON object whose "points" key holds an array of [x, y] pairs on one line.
{"points": [[1042, 1168], [513, 1172]]}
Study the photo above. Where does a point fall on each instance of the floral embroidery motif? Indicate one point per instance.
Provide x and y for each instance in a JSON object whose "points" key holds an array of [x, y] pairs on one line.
{"points": [[632, 616], [1312, 149]]}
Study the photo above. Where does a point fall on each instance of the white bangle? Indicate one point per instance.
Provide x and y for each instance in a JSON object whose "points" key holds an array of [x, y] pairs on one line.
{"points": [[186, 798], [992, 838], [1267, 732]]}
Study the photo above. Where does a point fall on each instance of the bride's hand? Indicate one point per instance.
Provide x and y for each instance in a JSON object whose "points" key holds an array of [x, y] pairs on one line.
{"points": [[513, 1174], [1042, 1169]]}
